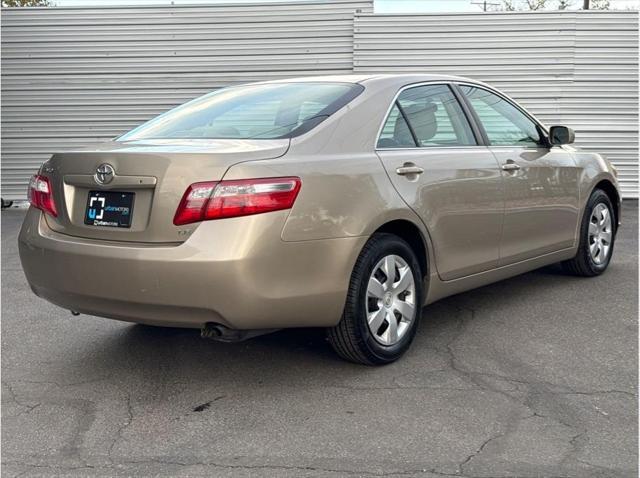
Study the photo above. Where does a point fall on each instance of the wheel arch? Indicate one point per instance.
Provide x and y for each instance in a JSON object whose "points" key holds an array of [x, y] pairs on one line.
{"points": [[610, 190], [413, 236]]}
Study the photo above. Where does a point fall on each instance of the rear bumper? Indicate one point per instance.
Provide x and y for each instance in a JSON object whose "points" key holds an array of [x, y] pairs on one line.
{"points": [[235, 272]]}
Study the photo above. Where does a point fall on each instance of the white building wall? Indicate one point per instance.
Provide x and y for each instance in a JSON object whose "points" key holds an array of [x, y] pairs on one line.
{"points": [[72, 76]]}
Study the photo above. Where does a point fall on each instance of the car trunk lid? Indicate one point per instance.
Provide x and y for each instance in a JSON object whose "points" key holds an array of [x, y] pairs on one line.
{"points": [[153, 174]]}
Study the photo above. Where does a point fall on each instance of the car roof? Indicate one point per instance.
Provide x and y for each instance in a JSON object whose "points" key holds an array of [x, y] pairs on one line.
{"points": [[390, 79]]}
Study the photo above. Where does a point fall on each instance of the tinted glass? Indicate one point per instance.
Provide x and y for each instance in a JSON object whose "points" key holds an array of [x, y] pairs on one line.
{"points": [[396, 133], [504, 123], [435, 116], [254, 111]]}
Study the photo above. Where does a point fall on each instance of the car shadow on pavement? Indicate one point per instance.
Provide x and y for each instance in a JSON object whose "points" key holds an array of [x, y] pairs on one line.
{"points": [[181, 355]]}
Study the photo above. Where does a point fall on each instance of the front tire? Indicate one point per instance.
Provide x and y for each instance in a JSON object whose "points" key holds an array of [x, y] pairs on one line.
{"points": [[597, 237], [384, 303]]}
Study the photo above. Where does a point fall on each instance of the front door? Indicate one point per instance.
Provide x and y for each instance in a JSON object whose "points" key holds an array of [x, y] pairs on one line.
{"points": [[434, 161], [541, 182]]}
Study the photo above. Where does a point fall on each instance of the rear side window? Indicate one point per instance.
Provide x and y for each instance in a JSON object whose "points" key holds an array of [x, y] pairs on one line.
{"points": [[426, 116], [267, 111], [396, 132], [504, 124]]}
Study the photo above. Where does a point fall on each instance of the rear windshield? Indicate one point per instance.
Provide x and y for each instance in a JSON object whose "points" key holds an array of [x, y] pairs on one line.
{"points": [[266, 111]]}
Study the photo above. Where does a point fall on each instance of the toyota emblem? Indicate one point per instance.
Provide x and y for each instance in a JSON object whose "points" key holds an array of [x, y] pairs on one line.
{"points": [[104, 174]]}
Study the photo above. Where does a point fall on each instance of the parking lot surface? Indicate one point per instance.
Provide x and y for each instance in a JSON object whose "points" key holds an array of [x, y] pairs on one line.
{"points": [[533, 376]]}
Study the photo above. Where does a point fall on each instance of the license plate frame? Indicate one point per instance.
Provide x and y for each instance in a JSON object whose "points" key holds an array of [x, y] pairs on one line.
{"points": [[109, 209]]}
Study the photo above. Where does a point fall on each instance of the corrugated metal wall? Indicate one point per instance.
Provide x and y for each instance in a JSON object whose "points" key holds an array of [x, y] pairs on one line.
{"points": [[576, 68], [71, 76]]}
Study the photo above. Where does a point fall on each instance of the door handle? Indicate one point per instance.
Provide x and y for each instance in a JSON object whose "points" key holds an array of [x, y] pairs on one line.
{"points": [[409, 169], [510, 165]]}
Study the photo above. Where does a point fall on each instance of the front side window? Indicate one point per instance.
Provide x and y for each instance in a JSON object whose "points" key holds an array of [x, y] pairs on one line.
{"points": [[504, 124], [426, 116], [267, 111]]}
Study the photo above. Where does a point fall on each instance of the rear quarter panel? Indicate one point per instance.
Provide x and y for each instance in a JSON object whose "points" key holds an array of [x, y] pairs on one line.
{"points": [[341, 196]]}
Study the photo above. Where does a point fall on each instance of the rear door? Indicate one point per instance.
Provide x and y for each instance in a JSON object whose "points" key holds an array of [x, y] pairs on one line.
{"points": [[435, 161], [541, 182]]}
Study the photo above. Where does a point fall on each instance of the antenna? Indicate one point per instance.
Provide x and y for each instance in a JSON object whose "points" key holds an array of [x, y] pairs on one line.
{"points": [[484, 4]]}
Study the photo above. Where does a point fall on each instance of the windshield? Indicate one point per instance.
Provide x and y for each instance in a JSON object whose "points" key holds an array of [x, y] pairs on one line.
{"points": [[263, 111]]}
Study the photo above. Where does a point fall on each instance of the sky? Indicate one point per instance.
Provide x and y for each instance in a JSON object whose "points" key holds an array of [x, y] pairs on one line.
{"points": [[381, 6]]}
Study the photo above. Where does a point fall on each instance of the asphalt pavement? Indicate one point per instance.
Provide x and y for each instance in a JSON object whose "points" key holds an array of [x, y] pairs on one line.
{"points": [[533, 376]]}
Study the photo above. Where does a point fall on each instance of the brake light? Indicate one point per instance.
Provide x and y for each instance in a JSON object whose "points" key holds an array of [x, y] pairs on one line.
{"points": [[225, 199], [41, 194], [193, 203]]}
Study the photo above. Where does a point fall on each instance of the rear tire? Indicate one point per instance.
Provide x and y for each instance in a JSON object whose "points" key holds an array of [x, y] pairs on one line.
{"points": [[597, 237], [381, 314]]}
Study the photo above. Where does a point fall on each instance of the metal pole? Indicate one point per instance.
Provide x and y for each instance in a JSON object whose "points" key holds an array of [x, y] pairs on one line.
{"points": [[585, 5]]}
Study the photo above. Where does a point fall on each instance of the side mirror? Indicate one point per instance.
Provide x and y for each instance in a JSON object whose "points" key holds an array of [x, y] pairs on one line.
{"points": [[561, 135]]}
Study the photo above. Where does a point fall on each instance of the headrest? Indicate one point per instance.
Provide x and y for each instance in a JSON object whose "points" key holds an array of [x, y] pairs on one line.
{"points": [[417, 108], [423, 120], [401, 133]]}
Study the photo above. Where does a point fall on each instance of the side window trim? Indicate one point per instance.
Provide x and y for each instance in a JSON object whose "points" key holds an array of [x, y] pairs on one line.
{"points": [[477, 133], [541, 129]]}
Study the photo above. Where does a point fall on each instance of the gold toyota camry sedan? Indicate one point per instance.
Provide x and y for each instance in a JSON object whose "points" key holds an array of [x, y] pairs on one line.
{"points": [[344, 202]]}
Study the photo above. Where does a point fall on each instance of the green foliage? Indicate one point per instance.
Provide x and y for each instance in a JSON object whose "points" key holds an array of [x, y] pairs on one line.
{"points": [[27, 3]]}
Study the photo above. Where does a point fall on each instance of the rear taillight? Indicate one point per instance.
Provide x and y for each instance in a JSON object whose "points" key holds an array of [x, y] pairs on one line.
{"points": [[224, 199], [41, 194], [193, 203]]}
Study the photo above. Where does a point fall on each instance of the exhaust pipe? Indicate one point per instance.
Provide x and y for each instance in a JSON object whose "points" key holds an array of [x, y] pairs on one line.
{"points": [[211, 331], [219, 332]]}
